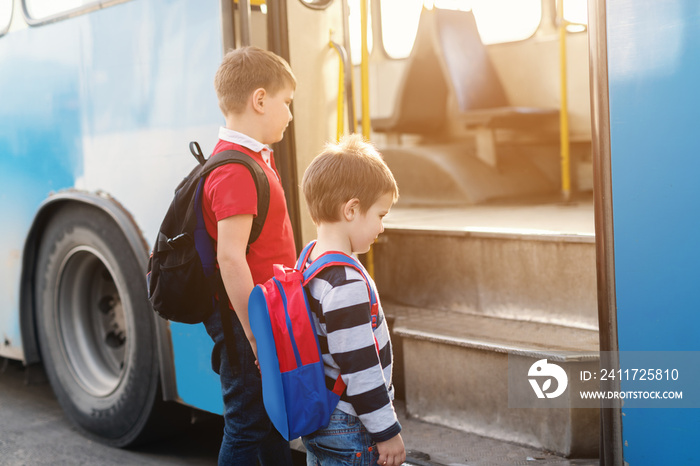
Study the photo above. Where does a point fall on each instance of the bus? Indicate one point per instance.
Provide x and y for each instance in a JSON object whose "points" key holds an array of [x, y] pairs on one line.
{"points": [[543, 151]]}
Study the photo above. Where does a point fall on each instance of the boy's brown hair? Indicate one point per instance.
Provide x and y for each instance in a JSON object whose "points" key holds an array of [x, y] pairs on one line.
{"points": [[349, 169], [246, 69]]}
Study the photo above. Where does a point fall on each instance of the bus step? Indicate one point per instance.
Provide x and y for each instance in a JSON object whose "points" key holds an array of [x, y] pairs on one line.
{"points": [[528, 276], [452, 370]]}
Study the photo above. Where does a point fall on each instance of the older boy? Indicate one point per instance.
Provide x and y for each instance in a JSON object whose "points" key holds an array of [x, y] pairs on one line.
{"points": [[255, 88], [349, 189]]}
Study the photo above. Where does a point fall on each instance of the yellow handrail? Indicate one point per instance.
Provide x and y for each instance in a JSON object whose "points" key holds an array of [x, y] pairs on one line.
{"points": [[341, 89], [364, 73], [564, 110], [364, 69]]}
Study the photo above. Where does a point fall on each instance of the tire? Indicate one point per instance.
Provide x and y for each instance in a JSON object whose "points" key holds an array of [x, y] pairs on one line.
{"points": [[96, 330]]}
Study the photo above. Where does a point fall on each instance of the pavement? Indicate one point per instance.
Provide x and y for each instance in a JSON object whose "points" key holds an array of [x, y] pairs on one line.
{"points": [[33, 430], [433, 445]]}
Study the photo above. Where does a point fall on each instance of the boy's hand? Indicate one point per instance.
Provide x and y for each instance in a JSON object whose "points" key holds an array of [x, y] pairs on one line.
{"points": [[391, 452]]}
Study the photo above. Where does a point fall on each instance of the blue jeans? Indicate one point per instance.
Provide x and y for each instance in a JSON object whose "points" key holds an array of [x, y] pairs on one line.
{"points": [[249, 435], [345, 442]]}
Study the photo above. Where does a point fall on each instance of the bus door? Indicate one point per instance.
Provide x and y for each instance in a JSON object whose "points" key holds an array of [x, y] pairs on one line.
{"points": [[646, 56]]}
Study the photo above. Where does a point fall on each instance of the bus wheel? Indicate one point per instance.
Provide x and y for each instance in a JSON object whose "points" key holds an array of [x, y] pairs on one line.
{"points": [[95, 327]]}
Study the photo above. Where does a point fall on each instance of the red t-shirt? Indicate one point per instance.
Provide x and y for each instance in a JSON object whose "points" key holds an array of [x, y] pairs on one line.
{"points": [[230, 190]]}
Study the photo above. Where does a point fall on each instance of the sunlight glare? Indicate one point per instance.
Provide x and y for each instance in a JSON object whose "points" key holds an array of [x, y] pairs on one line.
{"points": [[39, 9], [5, 14], [497, 20], [576, 11], [400, 24], [354, 19]]}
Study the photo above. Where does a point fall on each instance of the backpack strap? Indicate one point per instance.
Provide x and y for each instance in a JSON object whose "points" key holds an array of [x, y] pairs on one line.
{"points": [[197, 152], [204, 244], [304, 256], [202, 240], [332, 259], [262, 184]]}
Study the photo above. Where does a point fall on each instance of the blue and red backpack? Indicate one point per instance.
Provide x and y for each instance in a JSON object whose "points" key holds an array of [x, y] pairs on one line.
{"points": [[293, 381]]}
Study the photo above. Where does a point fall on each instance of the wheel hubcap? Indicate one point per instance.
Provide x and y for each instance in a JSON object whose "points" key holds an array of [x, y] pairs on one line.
{"points": [[91, 321]]}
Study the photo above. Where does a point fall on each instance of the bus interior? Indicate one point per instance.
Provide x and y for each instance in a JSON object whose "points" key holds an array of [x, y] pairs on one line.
{"points": [[488, 258]]}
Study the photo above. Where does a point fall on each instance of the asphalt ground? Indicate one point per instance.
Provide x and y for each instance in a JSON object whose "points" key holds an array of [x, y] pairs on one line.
{"points": [[34, 431]]}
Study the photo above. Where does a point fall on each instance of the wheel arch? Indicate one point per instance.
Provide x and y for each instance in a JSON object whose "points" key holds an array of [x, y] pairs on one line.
{"points": [[128, 227]]}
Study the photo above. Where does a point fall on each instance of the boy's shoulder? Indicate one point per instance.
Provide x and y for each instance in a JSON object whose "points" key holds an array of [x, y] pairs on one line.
{"points": [[232, 170], [230, 181], [341, 278], [338, 275], [233, 176]]}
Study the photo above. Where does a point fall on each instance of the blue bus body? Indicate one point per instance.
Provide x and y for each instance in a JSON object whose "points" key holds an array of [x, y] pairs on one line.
{"points": [[107, 101], [653, 72]]}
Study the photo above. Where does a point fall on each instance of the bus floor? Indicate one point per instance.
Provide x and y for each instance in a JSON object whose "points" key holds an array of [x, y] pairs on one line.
{"points": [[544, 216]]}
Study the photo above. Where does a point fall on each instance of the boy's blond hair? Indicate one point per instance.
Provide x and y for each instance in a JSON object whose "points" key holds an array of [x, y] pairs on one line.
{"points": [[349, 169], [246, 69]]}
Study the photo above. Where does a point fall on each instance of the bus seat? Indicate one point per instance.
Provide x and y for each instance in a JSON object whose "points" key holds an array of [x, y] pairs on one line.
{"points": [[478, 91], [421, 100], [465, 61], [449, 60]]}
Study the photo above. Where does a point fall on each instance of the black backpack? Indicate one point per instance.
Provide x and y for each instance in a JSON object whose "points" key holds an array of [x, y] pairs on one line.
{"points": [[182, 275]]}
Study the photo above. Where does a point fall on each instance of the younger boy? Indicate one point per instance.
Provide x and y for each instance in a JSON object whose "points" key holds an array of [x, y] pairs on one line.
{"points": [[255, 88], [348, 190]]}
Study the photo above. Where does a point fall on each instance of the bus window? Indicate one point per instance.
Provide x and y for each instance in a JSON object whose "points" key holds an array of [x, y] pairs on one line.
{"points": [[498, 20], [355, 28], [576, 12], [399, 26], [42, 9], [5, 15]]}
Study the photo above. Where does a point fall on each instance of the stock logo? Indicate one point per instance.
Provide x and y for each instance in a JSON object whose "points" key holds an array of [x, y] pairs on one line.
{"points": [[544, 371]]}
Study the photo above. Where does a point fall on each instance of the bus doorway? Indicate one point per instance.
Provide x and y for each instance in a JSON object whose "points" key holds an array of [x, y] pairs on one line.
{"points": [[490, 251]]}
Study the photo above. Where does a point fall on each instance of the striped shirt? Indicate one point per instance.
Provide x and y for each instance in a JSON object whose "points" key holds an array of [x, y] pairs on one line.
{"points": [[339, 299]]}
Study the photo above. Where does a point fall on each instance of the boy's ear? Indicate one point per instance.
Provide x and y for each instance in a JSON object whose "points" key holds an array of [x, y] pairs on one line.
{"points": [[350, 209], [258, 98]]}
